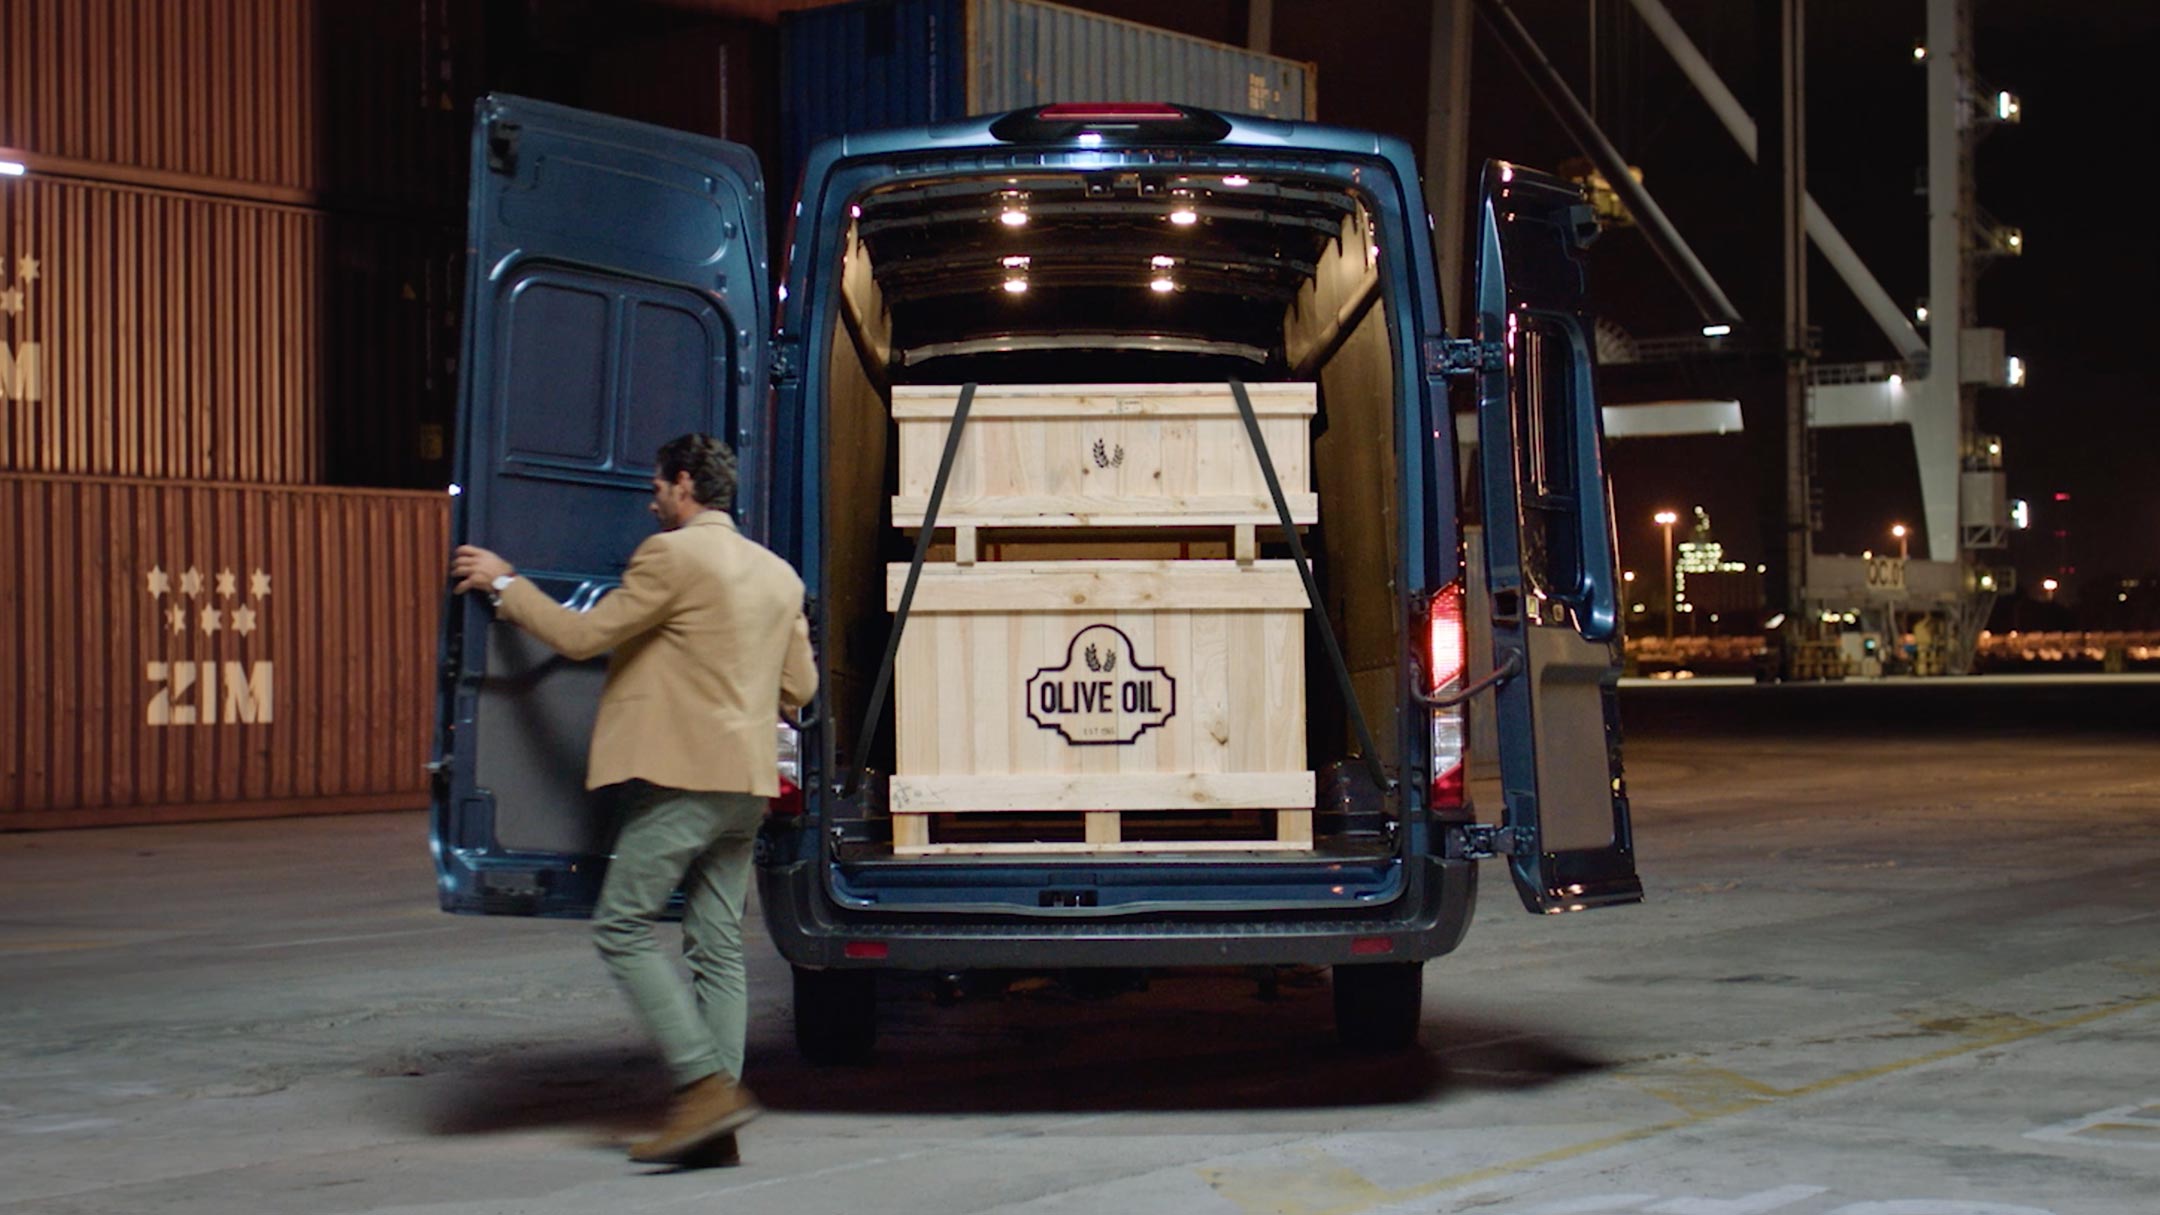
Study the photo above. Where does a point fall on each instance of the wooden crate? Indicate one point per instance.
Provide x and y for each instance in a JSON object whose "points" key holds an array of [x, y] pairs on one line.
{"points": [[1102, 689], [1104, 455]]}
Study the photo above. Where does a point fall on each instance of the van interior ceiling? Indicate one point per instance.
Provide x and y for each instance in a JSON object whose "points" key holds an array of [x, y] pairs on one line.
{"points": [[1122, 277]]}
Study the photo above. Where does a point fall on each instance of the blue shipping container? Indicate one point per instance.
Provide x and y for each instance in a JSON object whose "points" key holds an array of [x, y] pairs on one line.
{"points": [[886, 63]]}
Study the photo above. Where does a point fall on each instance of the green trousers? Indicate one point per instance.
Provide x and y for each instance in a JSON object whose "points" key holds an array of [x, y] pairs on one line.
{"points": [[702, 842]]}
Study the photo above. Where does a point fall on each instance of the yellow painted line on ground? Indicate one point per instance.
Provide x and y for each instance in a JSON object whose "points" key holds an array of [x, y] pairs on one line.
{"points": [[1364, 1195]]}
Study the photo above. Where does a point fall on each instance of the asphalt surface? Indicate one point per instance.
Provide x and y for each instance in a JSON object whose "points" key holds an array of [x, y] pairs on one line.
{"points": [[1900, 956]]}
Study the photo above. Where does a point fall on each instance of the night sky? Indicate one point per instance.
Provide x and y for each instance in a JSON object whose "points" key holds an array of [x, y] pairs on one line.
{"points": [[2074, 306]]}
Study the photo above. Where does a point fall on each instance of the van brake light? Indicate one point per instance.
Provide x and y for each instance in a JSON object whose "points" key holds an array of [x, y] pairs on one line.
{"points": [[1444, 655], [1446, 650], [1112, 111]]}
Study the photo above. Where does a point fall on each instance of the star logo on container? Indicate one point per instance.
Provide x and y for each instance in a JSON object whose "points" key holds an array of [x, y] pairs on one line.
{"points": [[22, 363], [201, 681]]}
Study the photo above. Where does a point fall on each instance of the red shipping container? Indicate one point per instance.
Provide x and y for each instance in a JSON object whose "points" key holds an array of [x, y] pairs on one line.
{"points": [[180, 651]]}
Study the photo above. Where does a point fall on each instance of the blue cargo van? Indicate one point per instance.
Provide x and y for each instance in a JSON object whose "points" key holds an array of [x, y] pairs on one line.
{"points": [[621, 293]]}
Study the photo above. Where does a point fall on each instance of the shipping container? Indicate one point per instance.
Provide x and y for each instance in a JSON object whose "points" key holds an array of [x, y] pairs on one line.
{"points": [[281, 100], [886, 63], [181, 651], [153, 333]]}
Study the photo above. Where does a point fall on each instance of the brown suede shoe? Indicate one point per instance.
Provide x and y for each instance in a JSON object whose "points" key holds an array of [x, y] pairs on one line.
{"points": [[702, 1112], [721, 1153]]}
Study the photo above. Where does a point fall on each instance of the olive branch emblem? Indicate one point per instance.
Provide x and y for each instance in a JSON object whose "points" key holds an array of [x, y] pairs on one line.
{"points": [[1100, 663]]}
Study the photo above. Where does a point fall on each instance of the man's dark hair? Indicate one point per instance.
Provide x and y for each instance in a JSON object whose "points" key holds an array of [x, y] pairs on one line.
{"points": [[709, 462]]}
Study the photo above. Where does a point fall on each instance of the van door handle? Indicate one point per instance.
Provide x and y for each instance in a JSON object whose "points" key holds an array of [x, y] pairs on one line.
{"points": [[1505, 671]]}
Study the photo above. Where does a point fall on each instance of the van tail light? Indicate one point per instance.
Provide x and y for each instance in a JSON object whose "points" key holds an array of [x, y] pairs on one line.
{"points": [[1445, 655], [790, 802]]}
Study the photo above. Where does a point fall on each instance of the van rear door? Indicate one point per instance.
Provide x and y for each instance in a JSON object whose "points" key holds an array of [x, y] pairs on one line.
{"points": [[1549, 552], [616, 298]]}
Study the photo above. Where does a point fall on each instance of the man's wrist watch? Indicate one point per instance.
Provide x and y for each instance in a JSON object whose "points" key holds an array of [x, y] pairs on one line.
{"points": [[502, 582]]}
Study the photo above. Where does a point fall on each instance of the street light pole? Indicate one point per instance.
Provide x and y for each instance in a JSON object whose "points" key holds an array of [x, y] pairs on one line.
{"points": [[1666, 519]]}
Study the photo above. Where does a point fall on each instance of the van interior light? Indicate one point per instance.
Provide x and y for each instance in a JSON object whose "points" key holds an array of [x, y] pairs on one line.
{"points": [[1716, 331], [11, 168], [1896, 380], [1090, 139], [855, 212]]}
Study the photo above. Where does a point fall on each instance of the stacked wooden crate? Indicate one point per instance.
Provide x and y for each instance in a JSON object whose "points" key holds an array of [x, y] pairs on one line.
{"points": [[1073, 675]]}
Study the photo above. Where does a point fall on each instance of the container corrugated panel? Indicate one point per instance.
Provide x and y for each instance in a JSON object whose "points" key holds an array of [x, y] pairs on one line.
{"points": [[147, 333], [366, 100], [1024, 52], [889, 63], [187, 651]]}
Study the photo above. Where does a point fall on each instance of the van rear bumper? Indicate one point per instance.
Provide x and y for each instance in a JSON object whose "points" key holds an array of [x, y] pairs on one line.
{"points": [[1429, 920]]}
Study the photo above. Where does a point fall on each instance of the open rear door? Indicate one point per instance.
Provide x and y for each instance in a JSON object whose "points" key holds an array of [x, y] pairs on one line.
{"points": [[616, 299], [1549, 552]]}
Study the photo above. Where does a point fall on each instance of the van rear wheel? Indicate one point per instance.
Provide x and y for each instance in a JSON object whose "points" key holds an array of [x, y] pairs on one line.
{"points": [[1378, 1005], [835, 1015]]}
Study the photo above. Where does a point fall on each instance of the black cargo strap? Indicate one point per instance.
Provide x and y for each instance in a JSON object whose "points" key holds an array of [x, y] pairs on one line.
{"points": [[1312, 590], [868, 737]]}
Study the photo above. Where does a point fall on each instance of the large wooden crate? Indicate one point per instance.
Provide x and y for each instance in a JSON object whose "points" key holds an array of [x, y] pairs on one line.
{"points": [[1100, 688], [1095, 700], [1104, 455]]}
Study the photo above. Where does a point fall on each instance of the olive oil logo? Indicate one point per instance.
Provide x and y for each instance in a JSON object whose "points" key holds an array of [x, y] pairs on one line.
{"points": [[1102, 695]]}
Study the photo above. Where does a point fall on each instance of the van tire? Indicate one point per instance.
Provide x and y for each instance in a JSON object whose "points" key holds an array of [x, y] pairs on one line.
{"points": [[1378, 1005], [835, 1015]]}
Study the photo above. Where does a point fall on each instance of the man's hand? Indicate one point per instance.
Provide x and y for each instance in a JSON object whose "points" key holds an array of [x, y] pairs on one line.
{"points": [[477, 569]]}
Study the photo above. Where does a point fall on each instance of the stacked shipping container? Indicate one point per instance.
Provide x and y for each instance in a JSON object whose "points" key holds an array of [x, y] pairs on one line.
{"points": [[227, 271]]}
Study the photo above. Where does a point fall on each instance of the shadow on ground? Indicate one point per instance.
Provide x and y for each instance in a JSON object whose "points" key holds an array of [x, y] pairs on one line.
{"points": [[1187, 1042]]}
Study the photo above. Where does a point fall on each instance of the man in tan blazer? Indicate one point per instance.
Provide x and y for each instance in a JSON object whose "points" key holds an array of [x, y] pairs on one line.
{"points": [[708, 646]]}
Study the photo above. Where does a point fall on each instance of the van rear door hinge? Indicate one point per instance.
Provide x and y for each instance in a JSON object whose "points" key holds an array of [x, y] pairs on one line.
{"points": [[1463, 356], [1478, 842]]}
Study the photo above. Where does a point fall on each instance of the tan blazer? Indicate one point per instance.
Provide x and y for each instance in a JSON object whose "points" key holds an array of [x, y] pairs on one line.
{"points": [[709, 646]]}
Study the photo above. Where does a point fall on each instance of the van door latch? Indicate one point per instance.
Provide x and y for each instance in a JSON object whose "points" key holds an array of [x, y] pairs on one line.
{"points": [[1463, 356], [1480, 842], [502, 146]]}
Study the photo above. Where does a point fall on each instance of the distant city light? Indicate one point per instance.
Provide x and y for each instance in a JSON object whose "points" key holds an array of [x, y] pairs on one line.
{"points": [[1090, 139], [2015, 375], [1920, 314], [1236, 180], [1163, 285], [1162, 261], [1919, 52], [2020, 514], [2007, 107], [1184, 215], [1716, 331], [1016, 284]]}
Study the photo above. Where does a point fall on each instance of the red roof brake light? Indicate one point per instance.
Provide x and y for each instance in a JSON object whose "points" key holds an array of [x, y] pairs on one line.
{"points": [[1110, 111]]}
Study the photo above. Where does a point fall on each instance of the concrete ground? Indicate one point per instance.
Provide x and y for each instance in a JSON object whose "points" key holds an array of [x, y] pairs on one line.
{"points": [[1901, 956]]}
